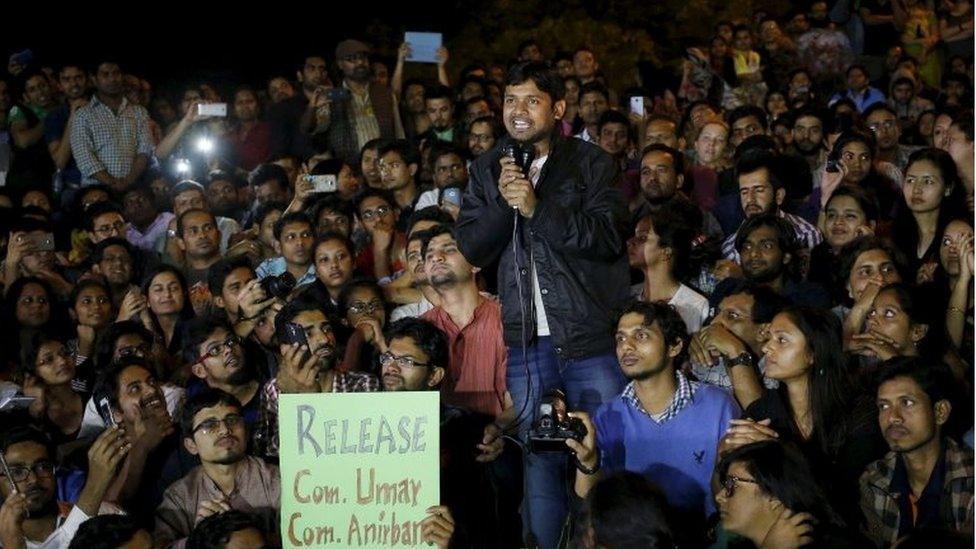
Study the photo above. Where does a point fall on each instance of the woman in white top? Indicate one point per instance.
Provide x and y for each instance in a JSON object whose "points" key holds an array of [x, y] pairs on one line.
{"points": [[661, 247]]}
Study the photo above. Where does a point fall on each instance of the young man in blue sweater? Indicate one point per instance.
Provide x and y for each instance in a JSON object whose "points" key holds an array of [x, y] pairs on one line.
{"points": [[663, 425]]}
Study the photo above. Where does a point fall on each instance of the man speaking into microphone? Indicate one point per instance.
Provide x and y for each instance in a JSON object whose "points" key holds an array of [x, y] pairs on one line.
{"points": [[546, 207]]}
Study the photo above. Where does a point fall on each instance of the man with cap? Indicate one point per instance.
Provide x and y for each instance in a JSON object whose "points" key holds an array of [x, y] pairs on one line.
{"points": [[359, 111]]}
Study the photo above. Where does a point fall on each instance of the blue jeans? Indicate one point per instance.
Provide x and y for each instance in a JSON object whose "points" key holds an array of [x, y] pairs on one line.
{"points": [[587, 383]]}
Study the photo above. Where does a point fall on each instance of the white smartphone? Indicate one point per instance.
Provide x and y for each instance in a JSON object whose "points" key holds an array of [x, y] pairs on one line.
{"points": [[323, 183], [212, 109], [637, 106]]}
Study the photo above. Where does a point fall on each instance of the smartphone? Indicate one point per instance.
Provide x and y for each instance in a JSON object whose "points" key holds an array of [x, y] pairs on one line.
{"points": [[323, 183], [832, 166], [451, 195], [6, 472], [212, 109], [42, 242], [105, 410], [637, 106], [19, 402], [294, 333], [338, 94]]}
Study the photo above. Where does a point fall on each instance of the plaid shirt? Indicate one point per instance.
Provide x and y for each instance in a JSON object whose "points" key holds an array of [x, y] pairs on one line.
{"points": [[880, 504], [683, 396], [806, 235], [343, 382], [104, 140]]}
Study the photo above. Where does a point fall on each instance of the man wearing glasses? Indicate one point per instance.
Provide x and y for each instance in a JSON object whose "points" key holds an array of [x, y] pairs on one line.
{"points": [[217, 359], [228, 478], [31, 517]]}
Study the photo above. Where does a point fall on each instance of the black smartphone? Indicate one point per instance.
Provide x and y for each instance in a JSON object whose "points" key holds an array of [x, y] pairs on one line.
{"points": [[295, 333]]}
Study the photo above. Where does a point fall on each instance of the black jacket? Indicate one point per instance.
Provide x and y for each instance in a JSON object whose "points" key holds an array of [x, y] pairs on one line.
{"points": [[576, 238]]}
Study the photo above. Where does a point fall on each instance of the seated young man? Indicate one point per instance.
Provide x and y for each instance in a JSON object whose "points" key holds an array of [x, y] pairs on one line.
{"points": [[926, 480], [660, 409], [228, 478], [32, 516]]}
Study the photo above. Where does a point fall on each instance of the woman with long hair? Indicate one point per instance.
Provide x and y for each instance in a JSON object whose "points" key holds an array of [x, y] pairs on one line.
{"points": [[933, 196], [816, 405], [168, 305]]}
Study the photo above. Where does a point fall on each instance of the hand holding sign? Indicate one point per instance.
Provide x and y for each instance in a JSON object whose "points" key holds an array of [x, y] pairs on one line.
{"points": [[438, 527]]}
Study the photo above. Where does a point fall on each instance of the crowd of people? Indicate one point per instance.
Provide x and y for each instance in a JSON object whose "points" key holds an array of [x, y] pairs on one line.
{"points": [[729, 306]]}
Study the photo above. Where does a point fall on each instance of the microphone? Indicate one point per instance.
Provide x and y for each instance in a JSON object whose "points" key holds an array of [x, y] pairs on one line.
{"points": [[523, 155]]}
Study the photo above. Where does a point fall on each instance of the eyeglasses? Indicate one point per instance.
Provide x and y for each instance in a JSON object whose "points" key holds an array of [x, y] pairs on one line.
{"points": [[114, 227], [887, 125], [135, 350], [359, 307], [41, 469], [368, 215], [212, 426], [404, 362], [214, 349], [731, 481]]}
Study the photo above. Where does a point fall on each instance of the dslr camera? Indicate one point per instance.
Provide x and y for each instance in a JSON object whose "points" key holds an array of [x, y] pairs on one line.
{"points": [[553, 427], [279, 286]]}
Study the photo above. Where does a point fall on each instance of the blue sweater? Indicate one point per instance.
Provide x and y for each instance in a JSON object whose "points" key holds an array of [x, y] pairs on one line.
{"points": [[679, 455]]}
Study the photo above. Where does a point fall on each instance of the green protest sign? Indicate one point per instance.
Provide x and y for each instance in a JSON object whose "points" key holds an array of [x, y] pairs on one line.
{"points": [[358, 469]]}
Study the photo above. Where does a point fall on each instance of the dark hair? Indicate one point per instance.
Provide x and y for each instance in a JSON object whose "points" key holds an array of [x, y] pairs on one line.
{"points": [[334, 236], [756, 160], [187, 185], [83, 285], [672, 326], [809, 111], [829, 386], [17, 288], [780, 470], [425, 335], [207, 398], [431, 233], [297, 306], [496, 128], [98, 252], [192, 211], [288, 219], [853, 136], [187, 311], [224, 175], [857, 66], [877, 107], [613, 117], [430, 213], [115, 331], [360, 283], [97, 210], [196, 331], [107, 382], [853, 250], [545, 78], [268, 172], [965, 124], [105, 532], [18, 433], [766, 303], [370, 192], [439, 92], [266, 209], [674, 234], [215, 531], [746, 111], [444, 149], [920, 308], [677, 159], [785, 235], [932, 376], [220, 270], [865, 198], [951, 207], [624, 510], [32, 348], [402, 147], [594, 87], [332, 202]]}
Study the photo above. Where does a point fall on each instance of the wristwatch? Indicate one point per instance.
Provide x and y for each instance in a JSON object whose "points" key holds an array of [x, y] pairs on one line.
{"points": [[742, 359]]}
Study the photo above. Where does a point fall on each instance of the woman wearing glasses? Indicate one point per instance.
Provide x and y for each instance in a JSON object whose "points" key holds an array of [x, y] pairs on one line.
{"points": [[48, 370], [364, 313], [769, 496]]}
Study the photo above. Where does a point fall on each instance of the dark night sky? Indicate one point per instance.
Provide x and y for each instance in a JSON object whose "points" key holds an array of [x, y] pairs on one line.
{"points": [[226, 44]]}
